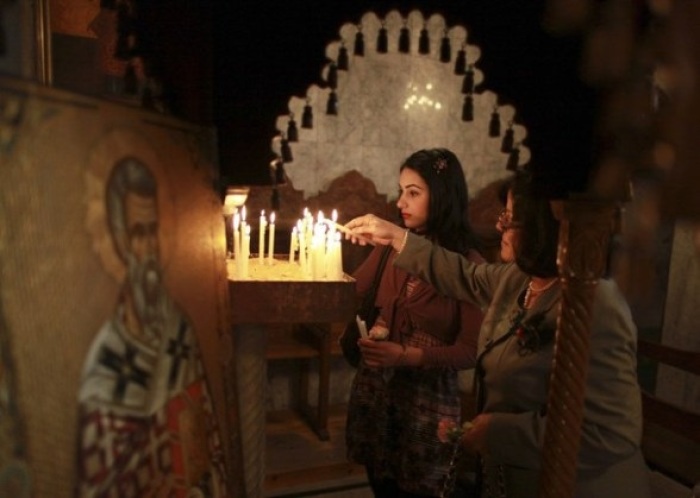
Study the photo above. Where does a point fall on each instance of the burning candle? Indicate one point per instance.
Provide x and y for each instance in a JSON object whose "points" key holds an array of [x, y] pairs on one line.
{"points": [[237, 254], [336, 271], [261, 237], [318, 252], [236, 236], [308, 227], [292, 244], [243, 223], [272, 238], [302, 246], [246, 252], [334, 219]]}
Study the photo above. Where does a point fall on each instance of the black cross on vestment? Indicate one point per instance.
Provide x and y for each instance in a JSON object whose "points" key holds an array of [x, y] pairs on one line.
{"points": [[125, 367], [179, 350]]}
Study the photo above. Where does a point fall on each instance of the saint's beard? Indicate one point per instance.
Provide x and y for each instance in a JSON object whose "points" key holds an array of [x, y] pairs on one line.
{"points": [[149, 297]]}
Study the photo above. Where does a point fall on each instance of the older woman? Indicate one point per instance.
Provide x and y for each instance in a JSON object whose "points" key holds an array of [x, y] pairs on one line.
{"points": [[516, 348]]}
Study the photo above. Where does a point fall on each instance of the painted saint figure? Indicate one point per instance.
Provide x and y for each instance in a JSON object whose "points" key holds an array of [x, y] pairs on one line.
{"points": [[147, 427], [14, 472]]}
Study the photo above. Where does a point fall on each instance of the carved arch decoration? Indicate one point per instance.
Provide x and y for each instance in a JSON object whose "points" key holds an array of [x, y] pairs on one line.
{"points": [[393, 86]]}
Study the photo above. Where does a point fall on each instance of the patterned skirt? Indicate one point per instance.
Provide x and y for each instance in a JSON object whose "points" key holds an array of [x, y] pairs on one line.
{"points": [[393, 418]]}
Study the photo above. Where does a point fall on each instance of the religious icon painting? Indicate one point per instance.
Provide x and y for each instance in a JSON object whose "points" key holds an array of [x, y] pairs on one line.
{"points": [[14, 474], [112, 256]]}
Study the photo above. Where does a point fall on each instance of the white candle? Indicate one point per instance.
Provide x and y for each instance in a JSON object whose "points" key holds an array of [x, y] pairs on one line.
{"points": [[330, 244], [246, 252], [308, 227], [302, 246], [243, 223], [334, 219], [272, 238], [313, 258], [337, 259], [247, 242], [261, 237], [237, 254], [318, 265], [292, 244], [236, 236]]}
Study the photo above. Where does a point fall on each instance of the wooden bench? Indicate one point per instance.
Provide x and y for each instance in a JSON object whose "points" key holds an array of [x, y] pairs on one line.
{"points": [[671, 435]]}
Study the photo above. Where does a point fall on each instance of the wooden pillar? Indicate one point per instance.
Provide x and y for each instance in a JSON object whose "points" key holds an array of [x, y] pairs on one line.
{"points": [[586, 227], [42, 29], [251, 379]]}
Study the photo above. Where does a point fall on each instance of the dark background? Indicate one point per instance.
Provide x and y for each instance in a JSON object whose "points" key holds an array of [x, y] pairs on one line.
{"points": [[268, 51]]}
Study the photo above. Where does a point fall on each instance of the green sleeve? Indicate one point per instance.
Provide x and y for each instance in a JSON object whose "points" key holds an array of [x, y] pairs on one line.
{"points": [[449, 272]]}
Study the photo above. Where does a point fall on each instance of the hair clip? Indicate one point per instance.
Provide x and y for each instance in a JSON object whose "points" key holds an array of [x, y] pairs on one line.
{"points": [[440, 165]]}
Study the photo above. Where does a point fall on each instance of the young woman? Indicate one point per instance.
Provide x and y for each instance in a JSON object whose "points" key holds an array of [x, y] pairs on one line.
{"points": [[516, 348], [407, 381]]}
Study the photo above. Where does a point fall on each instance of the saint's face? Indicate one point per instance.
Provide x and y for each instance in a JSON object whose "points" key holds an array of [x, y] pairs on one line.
{"points": [[141, 214], [143, 258], [414, 200]]}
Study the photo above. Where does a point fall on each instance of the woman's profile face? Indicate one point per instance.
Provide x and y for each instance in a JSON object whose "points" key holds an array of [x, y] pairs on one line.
{"points": [[414, 200], [509, 231]]}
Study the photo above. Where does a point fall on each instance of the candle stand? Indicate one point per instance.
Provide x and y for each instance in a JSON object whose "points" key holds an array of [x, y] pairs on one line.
{"points": [[256, 304]]}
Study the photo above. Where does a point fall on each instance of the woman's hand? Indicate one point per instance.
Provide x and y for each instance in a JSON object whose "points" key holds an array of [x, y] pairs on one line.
{"points": [[475, 438], [374, 230], [380, 353]]}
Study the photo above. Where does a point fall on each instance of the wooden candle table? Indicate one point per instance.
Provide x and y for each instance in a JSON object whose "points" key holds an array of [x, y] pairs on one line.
{"points": [[260, 301]]}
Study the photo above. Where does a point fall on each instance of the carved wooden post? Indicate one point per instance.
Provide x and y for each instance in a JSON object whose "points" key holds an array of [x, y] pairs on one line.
{"points": [[251, 378], [586, 227]]}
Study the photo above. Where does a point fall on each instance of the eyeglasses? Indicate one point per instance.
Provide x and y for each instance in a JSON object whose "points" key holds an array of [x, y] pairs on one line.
{"points": [[505, 220]]}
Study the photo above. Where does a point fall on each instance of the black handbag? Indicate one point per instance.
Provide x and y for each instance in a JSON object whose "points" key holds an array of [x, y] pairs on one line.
{"points": [[367, 312]]}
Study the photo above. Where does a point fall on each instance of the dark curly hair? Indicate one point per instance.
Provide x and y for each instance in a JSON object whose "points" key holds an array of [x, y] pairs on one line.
{"points": [[448, 222]]}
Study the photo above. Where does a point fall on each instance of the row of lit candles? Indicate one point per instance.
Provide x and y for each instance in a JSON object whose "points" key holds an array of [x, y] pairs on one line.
{"points": [[317, 243], [241, 240]]}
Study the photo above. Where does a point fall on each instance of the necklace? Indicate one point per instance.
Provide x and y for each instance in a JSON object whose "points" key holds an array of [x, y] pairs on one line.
{"points": [[543, 288], [531, 290]]}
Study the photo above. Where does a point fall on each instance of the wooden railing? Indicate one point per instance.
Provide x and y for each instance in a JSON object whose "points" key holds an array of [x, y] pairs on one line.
{"points": [[671, 438]]}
